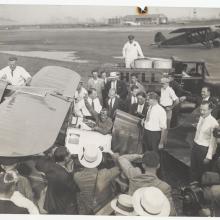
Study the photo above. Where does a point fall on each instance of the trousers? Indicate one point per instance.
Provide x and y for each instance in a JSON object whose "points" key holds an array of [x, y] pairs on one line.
{"points": [[197, 167], [151, 140]]}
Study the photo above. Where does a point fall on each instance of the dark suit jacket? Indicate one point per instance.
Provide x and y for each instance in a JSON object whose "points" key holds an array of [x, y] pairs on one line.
{"points": [[128, 104], [61, 190], [121, 88], [118, 104], [198, 100], [178, 89], [135, 113]]}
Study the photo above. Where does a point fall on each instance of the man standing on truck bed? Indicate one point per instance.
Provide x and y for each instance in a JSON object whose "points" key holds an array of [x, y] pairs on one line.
{"points": [[131, 51], [15, 75]]}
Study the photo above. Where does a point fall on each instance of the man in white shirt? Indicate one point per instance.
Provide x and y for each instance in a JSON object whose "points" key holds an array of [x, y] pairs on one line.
{"points": [[80, 107], [80, 92], [154, 124], [168, 99], [15, 75], [131, 51], [204, 142], [134, 81], [96, 83]]}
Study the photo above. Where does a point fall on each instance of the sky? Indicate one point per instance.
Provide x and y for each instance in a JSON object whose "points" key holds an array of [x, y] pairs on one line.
{"points": [[35, 14]]}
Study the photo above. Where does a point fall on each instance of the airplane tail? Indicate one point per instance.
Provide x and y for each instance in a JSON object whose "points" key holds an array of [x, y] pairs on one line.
{"points": [[159, 37]]}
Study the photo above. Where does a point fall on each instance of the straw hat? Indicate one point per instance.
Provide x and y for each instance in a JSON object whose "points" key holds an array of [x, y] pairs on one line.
{"points": [[90, 157], [150, 201], [113, 75], [123, 205]]}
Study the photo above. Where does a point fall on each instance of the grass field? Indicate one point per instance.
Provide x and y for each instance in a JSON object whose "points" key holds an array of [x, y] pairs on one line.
{"points": [[98, 46]]}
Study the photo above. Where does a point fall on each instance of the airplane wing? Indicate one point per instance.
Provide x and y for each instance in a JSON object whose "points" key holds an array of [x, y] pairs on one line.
{"points": [[30, 123], [190, 29]]}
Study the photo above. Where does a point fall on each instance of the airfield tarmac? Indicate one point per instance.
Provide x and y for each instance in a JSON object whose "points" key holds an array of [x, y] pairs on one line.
{"points": [[83, 49]]}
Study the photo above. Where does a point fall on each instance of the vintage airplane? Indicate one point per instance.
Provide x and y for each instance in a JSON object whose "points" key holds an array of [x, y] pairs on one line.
{"points": [[31, 117], [209, 36]]}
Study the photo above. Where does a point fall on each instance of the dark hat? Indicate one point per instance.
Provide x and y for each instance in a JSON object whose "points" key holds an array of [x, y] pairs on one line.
{"points": [[13, 58], [130, 37]]}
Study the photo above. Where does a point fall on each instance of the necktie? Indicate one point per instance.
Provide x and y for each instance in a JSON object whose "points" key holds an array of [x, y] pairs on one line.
{"points": [[93, 104], [12, 72], [148, 114]]}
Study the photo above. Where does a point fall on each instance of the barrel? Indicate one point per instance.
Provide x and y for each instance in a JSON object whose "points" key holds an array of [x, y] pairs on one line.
{"points": [[143, 63], [163, 64]]}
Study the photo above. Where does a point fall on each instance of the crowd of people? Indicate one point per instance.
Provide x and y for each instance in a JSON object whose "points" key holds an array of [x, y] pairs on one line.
{"points": [[57, 182]]}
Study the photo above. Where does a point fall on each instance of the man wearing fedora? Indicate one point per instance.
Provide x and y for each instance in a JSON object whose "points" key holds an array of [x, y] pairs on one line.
{"points": [[115, 83], [131, 51], [94, 179], [122, 205], [148, 178], [151, 201]]}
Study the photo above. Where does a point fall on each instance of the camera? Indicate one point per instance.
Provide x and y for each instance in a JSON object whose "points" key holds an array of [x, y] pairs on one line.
{"points": [[194, 200]]}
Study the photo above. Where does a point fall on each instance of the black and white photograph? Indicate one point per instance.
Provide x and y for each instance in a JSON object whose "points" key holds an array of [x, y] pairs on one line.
{"points": [[109, 110]]}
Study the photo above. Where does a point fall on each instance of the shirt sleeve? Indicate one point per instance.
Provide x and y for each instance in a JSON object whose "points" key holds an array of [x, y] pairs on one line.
{"points": [[163, 119], [128, 169], [23, 202], [25, 74], [212, 144], [140, 53], [3, 73], [173, 95]]}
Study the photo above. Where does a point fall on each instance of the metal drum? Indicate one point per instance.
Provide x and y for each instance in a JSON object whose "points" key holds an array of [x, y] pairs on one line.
{"points": [[163, 64], [143, 63]]}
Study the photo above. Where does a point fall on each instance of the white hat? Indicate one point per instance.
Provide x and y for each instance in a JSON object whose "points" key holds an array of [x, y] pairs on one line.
{"points": [[123, 205], [113, 75], [90, 157], [150, 201]]}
